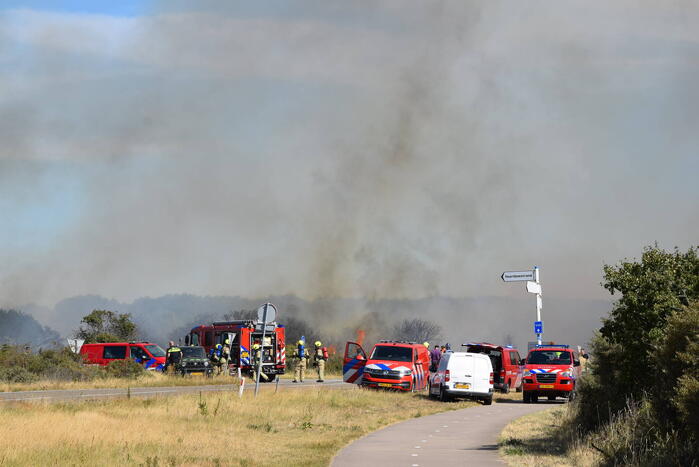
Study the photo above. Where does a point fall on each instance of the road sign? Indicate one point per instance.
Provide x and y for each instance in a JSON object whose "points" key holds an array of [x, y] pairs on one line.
{"points": [[514, 276], [533, 287], [75, 344], [538, 327], [271, 313]]}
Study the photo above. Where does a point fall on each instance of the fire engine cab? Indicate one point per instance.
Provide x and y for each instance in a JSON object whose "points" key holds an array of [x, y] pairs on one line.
{"points": [[392, 365], [551, 371], [243, 334]]}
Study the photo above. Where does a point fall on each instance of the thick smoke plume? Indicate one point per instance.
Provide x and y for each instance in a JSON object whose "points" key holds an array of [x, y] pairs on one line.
{"points": [[389, 154]]}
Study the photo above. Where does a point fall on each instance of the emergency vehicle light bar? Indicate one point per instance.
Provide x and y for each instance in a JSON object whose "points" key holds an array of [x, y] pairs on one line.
{"points": [[395, 342], [562, 346]]}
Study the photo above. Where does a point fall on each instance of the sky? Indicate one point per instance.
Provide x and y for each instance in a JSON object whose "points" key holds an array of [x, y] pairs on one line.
{"points": [[384, 149]]}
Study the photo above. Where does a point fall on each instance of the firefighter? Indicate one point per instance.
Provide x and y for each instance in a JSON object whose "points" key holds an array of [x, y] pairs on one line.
{"points": [[256, 356], [301, 360], [427, 345], [215, 357], [225, 355], [319, 357], [174, 355]]}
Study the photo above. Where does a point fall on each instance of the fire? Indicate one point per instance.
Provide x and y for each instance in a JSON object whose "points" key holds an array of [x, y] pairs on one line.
{"points": [[361, 333], [332, 350]]}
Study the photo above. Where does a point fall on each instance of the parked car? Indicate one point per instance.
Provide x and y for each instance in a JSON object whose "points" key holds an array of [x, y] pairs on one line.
{"points": [[194, 362], [551, 371], [463, 374], [151, 355], [392, 365], [507, 364]]}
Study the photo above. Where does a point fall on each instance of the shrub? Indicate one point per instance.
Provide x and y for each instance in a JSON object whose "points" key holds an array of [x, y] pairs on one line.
{"points": [[125, 369], [17, 375]]}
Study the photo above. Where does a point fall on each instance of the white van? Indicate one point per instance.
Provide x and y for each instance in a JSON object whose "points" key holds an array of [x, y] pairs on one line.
{"points": [[463, 374]]}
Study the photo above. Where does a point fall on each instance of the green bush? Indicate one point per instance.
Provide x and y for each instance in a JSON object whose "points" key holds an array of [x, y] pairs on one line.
{"points": [[124, 369], [17, 375], [640, 402], [20, 366]]}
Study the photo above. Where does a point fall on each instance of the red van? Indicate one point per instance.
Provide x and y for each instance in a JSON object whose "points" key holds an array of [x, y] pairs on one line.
{"points": [[550, 371], [151, 355], [392, 365], [508, 370]]}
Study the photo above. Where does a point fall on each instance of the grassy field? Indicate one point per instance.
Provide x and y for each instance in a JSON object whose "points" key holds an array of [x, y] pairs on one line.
{"points": [[290, 427], [150, 379], [536, 441]]}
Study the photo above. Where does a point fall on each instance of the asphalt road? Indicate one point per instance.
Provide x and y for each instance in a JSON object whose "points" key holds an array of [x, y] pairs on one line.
{"points": [[86, 394], [462, 437]]}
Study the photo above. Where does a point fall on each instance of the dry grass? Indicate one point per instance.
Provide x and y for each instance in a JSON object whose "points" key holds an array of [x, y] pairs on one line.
{"points": [[289, 428], [150, 379], [535, 441]]}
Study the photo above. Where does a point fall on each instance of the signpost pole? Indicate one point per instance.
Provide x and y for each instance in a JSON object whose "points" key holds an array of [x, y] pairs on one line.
{"points": [[538, 303], [262, 350]]}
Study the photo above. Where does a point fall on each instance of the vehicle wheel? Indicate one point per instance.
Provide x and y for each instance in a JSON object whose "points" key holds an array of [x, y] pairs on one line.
{"points": [[526, 397], [552, 398], [270, 378], [534, 397], [488, 400], [443, 396], [505, 388], [571, 396]]}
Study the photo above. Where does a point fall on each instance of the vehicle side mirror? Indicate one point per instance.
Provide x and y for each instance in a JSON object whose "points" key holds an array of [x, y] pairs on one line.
{"points": [[576, 363], [186, 339]]}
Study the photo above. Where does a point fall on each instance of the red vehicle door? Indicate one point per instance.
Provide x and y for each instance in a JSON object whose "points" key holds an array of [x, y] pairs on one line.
{"points": [[353, 363]]}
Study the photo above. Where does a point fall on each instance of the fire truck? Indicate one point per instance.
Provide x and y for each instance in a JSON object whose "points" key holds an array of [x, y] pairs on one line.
{"points": [[243, 334]]}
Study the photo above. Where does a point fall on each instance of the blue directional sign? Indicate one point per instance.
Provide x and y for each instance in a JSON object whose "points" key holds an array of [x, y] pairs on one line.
{"points": [[538, 327]]}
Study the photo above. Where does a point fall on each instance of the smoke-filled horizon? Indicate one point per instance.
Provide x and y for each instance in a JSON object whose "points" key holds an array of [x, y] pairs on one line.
{"points": [[378, 150]]}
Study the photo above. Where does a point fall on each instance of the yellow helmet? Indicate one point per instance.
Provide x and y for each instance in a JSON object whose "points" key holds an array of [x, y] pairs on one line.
{"points": [[318, 344], [227, 341], [301, 342], [426, 344], [256, 346]]}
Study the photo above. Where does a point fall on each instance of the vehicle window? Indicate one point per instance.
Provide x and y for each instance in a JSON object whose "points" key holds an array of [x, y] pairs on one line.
{"points": [[514, 358], [194, 339], [193, 352], [392, 353], [209, 338], [549, 357], [137, 352], [155, 350], [114, 351], [355, 351]]}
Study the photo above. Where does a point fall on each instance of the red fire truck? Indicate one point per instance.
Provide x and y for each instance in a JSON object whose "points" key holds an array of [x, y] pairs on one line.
{"points": [[243, 334]]}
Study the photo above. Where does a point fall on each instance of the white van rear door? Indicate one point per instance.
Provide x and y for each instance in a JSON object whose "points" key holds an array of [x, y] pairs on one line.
{"points": [[461, 370], [483, 368]]}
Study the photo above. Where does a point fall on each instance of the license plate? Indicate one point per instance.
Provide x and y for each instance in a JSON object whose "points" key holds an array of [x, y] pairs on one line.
{"points": [[546, 386], [198, 373], [462, 386], [385, 385]]}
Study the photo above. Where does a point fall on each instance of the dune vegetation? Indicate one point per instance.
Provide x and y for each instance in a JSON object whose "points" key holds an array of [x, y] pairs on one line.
{"points": [[290, 427]]}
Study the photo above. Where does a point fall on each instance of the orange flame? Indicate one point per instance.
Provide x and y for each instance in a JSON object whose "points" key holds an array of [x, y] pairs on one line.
{"points": [[361, 333], [332, 350]]}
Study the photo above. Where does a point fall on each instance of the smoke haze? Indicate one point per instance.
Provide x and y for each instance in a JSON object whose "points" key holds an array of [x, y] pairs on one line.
{"points": [[374, 151]]}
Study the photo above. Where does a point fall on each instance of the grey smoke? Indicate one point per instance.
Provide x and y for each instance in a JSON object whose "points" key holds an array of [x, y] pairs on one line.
{"points": [[373, 151]]}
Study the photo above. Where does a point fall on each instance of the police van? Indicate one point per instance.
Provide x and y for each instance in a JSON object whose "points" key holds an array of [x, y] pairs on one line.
{"points": [[463, 374]]}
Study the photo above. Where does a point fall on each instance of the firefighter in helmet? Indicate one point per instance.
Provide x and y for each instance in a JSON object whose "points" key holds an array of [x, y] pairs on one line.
{"points": [[215, 357], [320, 355], [300, 361], [225, 355], [256, 356]]}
